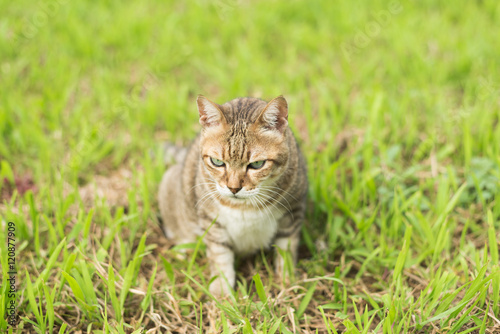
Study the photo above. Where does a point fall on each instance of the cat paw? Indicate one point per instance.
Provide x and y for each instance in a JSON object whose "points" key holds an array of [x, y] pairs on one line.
{"points": [[279, 266], [282, 273], [220, 287]]}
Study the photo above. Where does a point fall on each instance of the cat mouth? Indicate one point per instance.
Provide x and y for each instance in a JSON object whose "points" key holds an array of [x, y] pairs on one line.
{"points": [[237, 198]]}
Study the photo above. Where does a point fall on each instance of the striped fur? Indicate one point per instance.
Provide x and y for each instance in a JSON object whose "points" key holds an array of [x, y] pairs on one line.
{"points": [[244, 209]]}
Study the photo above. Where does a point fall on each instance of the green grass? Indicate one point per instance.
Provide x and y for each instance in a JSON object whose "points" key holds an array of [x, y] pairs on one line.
{"points": [[397, 110]]}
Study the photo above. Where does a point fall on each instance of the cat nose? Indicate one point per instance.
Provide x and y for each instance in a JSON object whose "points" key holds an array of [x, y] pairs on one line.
{"points": [[234, 190]]}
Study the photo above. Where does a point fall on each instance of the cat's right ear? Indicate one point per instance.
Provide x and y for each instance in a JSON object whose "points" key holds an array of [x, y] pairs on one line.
{"points": [[210, 112]]}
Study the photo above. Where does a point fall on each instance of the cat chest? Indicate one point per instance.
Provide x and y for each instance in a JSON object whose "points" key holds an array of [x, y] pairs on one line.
{"points": [[249, 230]]}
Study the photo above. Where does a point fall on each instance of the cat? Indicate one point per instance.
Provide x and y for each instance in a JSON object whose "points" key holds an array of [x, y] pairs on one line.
{"points": [[243, 178]]}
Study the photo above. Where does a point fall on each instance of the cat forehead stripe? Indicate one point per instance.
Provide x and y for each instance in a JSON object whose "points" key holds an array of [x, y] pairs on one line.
{"points": [[246, 109], [237, 140]]}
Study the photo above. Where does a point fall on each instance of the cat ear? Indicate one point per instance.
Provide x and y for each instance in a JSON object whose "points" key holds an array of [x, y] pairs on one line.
{"points": [[275, 115], [210, 112]]}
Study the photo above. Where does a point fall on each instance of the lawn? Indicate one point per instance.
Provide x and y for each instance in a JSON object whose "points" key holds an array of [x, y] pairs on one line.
{"points": [[396, 105]]}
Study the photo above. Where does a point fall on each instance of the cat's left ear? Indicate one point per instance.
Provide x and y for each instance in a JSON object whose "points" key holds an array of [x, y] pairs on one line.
{"points": [[275, 115]]}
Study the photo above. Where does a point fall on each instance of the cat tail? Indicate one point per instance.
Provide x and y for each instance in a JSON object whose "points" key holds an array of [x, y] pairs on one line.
{"points": [[173, 154]]}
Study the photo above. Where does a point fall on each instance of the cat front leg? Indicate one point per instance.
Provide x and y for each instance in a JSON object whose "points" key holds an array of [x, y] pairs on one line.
{"points": [[287, 239], [221, 261]]}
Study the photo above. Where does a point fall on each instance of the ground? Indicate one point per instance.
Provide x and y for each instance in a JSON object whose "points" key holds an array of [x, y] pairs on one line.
{"points": [[396, 107]]}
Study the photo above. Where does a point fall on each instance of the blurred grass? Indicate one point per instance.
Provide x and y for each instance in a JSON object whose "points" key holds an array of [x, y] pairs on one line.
{"points": [[396, 105]]}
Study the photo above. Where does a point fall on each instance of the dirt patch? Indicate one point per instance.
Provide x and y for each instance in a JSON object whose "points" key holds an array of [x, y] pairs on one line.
{"points": [[21, 183]]}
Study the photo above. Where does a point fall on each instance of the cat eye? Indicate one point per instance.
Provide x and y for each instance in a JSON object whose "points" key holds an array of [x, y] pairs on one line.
{"points": [[217, 162], [257, 164]]}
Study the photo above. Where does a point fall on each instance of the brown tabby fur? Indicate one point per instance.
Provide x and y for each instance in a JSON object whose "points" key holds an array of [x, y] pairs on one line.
{"points": [[250, 208]]}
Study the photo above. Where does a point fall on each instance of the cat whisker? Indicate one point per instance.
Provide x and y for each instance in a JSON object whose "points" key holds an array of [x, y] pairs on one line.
{"points": [[272, 192], [205, 197], [208, 198], [269, 189], [254, 202], [264, 206], [274, 187], [197, 185], [270, 198]]}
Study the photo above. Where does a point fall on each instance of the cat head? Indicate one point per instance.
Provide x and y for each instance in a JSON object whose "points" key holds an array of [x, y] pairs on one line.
{"points": [[244, 145]]}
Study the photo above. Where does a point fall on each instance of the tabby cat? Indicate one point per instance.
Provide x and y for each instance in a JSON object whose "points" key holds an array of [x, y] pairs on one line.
{"points": [[243, 178]]}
